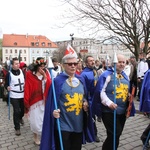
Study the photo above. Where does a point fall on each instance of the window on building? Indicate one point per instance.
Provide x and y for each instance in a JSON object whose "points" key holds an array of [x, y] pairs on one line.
{"points": [[32, 43], [6, 50], [37, 43], [33, 59], [24, 51], [15, 43], [25, 59], [49, 44], [15, 50], [43, 43], [11, 51]]}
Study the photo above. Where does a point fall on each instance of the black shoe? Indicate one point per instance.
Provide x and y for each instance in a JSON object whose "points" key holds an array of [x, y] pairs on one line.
{"points": [[18, 132], [97, 139], [22, 122]]}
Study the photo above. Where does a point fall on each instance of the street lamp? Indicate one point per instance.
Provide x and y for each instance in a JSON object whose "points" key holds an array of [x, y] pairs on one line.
{"points": [[72, 38]]}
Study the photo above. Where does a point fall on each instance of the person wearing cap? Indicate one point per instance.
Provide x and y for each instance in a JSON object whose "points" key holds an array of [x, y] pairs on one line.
{"points": [[15, 85], [90, 76], [37, 83], [72, 110]]}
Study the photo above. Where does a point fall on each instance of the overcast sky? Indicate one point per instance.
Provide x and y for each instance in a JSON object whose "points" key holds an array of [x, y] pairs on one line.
{"points": [[35, 17]]}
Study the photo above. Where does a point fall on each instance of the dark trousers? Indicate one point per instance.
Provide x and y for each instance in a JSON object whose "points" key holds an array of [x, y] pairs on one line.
{"points": [[133, 83], [95, 127], [140, 86], [145, 133], [18, 108], [71, 140], [108, 120]]}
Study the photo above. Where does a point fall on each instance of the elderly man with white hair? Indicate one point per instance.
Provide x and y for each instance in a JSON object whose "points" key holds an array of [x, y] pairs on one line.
{"points": [[72, 110]]}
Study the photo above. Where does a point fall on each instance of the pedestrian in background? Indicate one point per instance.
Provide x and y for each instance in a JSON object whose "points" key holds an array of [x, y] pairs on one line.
{"points": [[133, 74], [15, 86], [141, 70], [37, 84], [79, 67], [57, 67]]}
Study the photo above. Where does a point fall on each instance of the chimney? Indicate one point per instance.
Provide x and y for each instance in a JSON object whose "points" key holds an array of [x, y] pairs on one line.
{"points": [[27, 35]]}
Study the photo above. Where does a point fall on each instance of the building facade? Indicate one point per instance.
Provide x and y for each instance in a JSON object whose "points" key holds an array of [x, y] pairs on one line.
{"points": [[29, 47], [99, 50]]}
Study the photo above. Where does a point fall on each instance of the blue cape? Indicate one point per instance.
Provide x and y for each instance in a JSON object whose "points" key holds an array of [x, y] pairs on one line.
{"points": [[96, 103], [88, 76], [47, 139], [145, 94]]}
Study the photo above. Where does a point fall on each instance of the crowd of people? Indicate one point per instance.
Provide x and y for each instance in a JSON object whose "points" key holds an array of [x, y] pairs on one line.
{"points": [[63, 107]]}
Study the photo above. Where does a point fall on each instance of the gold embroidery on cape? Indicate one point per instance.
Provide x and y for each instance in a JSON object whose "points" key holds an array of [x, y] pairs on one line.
{"points": [[121, 89], [122, 92], [74, 103]]}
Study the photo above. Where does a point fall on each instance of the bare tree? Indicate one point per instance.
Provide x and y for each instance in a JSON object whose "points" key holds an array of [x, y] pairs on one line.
{"points": [[127, 21]]}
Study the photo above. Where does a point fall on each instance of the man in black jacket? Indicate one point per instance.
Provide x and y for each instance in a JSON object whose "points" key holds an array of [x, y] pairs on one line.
{"points": [[15, 86]]}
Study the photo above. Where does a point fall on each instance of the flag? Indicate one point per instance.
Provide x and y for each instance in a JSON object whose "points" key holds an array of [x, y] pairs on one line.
{"points": [[71, 51]]}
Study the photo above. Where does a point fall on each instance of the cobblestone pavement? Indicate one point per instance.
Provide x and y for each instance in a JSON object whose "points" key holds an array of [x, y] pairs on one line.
{"points": [[130, 139]]}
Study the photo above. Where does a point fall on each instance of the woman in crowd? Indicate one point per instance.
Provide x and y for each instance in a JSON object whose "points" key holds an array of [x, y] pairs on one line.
{"points": [[37, 84]]}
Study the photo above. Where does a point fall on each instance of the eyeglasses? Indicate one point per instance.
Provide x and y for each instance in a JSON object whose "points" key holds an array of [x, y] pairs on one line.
{"points": [[70, 64]]}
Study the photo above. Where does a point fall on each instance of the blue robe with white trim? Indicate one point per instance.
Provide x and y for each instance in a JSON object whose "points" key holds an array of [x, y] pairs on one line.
{"points": [[96, 103], [145, 94]]}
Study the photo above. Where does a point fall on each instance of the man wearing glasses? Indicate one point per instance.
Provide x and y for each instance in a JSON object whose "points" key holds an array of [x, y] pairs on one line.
{"points": [[72, 110]]}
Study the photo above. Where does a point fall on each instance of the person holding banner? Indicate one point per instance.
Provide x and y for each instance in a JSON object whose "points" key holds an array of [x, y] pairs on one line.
{"points": [[37, 83], [103, 101], [15, 85], [72, 111]]}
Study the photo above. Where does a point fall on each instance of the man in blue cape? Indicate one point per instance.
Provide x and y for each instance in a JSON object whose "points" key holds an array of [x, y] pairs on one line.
{"points": [[61, 82], [91, 77], [145, 105], [103, 101]]}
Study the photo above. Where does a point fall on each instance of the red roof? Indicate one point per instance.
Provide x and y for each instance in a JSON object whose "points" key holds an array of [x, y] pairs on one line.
{"points": [[16, 40]]}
